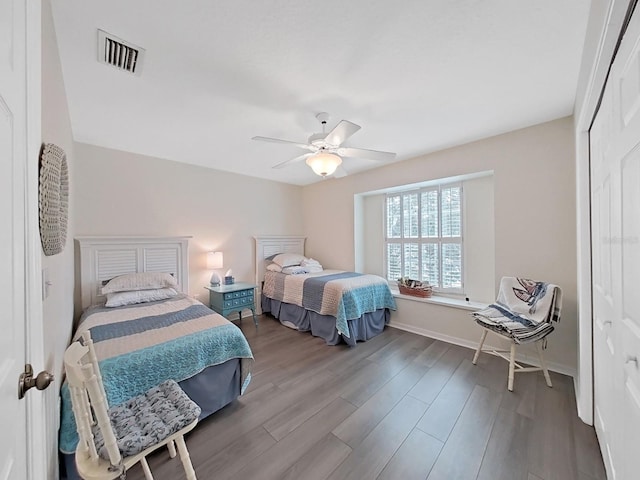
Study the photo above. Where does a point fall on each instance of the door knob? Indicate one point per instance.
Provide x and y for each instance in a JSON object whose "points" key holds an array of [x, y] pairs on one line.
{"points": [[26, 380], [630, 359]]}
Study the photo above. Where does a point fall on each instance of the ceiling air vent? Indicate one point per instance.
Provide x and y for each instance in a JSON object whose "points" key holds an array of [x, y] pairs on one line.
{"points": [[119, 53]]}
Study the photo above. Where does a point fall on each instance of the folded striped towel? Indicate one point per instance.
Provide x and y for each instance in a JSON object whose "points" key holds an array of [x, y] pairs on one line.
{"points": [[311, 266], [307, 262], [523, 311]]}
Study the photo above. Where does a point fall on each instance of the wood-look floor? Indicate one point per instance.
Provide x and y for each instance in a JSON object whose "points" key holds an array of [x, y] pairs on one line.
{"points": [[399, 406]]}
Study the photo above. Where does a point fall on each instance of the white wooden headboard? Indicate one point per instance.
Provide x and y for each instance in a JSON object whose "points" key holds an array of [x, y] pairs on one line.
{"points": [[268, 245], [102, 258]]}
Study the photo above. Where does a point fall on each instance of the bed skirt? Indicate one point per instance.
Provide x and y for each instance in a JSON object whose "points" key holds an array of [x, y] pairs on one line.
{"points": [[324, 326], [212, 389]]}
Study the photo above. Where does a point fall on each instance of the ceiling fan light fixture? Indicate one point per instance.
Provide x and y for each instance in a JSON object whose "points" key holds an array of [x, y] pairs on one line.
{"points": [[324, 164]]}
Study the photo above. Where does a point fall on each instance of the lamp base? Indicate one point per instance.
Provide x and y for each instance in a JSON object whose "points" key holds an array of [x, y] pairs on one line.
{"points": [[216, 279]]}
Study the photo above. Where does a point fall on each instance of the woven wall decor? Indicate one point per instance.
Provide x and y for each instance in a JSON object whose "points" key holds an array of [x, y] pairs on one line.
{"points": [[53, 199]]}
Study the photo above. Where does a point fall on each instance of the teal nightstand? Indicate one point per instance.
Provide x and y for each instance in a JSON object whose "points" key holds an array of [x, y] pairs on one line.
{"points": [[227, 299]]}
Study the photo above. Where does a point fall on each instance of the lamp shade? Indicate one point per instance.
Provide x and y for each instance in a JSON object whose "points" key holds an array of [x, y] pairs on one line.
{"points": [[324, 164], [214, 260]]}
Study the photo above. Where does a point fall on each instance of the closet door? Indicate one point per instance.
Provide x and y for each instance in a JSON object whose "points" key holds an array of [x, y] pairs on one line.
{"points": [[615, 177], [606, 324], [626, 218]]}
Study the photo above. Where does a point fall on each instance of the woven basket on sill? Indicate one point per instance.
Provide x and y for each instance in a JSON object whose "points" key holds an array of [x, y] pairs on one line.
{"points": [[415, 292]]}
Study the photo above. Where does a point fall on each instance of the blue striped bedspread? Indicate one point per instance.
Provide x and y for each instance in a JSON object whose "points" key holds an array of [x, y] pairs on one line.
{"points": [[140, 346], [344, 295]]}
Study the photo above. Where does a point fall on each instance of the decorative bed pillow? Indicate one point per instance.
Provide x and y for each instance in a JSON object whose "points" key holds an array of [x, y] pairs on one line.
{"points": [[139, 281], [118, 299], [288, 259]]}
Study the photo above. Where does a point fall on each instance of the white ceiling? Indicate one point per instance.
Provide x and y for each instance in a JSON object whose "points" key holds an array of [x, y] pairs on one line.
{"points": [[417, 75]]}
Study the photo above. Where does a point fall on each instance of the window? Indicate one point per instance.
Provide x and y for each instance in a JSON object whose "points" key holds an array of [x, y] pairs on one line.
{"points": [[424, 236]]}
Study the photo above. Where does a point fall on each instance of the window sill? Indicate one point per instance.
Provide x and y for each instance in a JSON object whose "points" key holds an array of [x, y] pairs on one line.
{"points": [[444, 301]]}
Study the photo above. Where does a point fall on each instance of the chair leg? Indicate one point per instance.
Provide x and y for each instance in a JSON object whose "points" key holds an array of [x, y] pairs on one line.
{"points": [[475, 357], [186, 459], [543, 365], [172, 449], [512, 366], [146, 469]]}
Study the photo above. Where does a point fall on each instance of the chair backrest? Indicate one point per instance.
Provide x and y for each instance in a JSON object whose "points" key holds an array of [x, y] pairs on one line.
{"points": [[88, 399]]}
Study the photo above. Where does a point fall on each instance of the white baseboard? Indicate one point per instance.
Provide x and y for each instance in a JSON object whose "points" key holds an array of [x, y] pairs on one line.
{"points": [[555, 367]]}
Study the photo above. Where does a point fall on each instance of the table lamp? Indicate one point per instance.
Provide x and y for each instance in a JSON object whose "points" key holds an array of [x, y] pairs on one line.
{"points": [[214, 261]]}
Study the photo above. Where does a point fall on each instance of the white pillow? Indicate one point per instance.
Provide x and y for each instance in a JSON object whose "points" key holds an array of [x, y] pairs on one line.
{"points": [[288, 259], [139, 281], [274, 267], [131, 297]]}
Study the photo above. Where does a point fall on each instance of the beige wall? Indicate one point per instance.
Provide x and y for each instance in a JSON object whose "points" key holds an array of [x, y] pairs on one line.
{"points": [[372, 237], [58, 306], [479, 239], [122, 193], [534, 212]]}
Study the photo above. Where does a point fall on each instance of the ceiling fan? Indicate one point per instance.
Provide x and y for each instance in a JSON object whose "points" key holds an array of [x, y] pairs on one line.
{"points": [[325, 150]]}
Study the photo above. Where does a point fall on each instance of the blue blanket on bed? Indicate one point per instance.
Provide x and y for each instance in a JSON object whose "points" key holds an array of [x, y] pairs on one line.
{"points": [[353, 303], [313, 289]]}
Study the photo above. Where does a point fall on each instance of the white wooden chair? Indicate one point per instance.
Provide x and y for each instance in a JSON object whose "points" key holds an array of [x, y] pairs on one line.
{"points": [[498, 319], [99, 452]]}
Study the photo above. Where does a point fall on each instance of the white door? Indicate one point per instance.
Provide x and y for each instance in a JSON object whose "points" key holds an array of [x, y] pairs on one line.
{"points": [[13, 162], [615, 177], [626, 219], [604, 329]]}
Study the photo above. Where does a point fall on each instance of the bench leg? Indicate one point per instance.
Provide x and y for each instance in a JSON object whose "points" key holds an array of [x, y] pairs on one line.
{"points": [[172, 449], [146, 469], [186, 459]]}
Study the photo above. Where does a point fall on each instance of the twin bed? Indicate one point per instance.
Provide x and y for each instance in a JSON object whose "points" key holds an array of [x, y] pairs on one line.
{"points": [[141, 345], [335, 305]]}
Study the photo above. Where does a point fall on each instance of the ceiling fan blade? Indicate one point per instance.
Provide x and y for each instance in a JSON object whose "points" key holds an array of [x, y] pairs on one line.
{"points": [[277, 140], [375, 155], [341, 132], [340, 172], [292, 160]]}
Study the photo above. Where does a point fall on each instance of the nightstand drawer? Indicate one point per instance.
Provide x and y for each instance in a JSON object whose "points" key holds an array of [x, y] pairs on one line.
{"points": [[241, 294], [237, 302]]}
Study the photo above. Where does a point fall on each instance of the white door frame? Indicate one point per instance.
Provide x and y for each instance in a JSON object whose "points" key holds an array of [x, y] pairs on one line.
{"points": [[37, 448], [584, 114]]}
